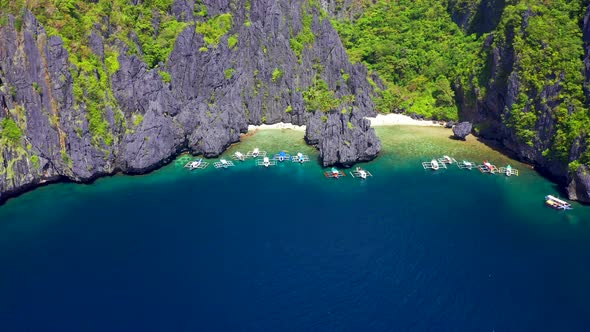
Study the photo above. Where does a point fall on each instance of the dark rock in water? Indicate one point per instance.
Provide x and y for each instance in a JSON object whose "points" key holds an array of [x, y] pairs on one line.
{"points": [[450, 124], [462, 129], [579, 186]]}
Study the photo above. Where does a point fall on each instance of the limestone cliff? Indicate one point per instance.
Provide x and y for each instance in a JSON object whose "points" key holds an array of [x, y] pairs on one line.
{"points": [[64, 117], [527, 92]]}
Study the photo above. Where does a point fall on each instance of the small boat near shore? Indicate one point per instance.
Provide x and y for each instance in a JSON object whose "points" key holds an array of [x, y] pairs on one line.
{"points": [[433, 165], [334, 173], [300, 158], [255, 153], [239, 156], [223, 163], [447, 160], [556, 203], [266, 162], [282, 156], [509, 171], [196, 164], [466, 165], [487, 167], [360, 173]]}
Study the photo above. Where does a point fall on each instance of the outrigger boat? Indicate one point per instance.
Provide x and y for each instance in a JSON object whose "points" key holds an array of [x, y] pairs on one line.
{"points": [[557, 203], [239, 156], [265, 162], [487, 167], [433, 165], [466, 165], [300, 158], [196, 164], [334, 173], [360, 173], [255, 153], [282, 156], [447, 160], [222, 163], [508, 170]]}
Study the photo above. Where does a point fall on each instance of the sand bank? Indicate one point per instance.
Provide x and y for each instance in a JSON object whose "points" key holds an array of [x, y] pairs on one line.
{"points": [[400, 120], [280, 125]]}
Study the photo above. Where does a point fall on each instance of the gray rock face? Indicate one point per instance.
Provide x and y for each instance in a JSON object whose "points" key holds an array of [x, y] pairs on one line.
{"points": [[479, 16], [491, 112], [462, 129], [210, 99], [344, 9], [579, 187]]}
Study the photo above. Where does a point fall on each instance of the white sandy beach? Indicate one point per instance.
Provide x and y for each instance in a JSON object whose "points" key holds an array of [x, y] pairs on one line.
{"points": [[400, 120], [380, 120], [280, 125]]}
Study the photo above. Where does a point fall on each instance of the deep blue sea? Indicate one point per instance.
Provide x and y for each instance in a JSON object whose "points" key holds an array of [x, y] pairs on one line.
{"points": [[285, 249]]}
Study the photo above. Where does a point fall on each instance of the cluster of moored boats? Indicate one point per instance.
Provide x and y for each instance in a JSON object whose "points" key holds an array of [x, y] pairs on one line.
{"points": [[334, 173], [486, 167], [260, 156], [263, 160]]}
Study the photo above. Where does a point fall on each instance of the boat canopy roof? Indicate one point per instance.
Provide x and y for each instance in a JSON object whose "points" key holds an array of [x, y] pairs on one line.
{"points": [[282, 153]]}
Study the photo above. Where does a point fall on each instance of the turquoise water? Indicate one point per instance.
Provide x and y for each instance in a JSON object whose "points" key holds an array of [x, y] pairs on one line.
{"points": [[286, 249]]}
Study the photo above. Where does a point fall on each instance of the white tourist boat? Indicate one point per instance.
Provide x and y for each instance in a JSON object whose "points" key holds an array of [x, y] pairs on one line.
{"points": [[434, 164]]}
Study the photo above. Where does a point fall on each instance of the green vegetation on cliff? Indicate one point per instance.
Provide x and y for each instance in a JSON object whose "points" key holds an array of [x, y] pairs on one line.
{"points": [[417, 50], [10, 131], [548, 55], [146, 29], [421, 55], [215, 28]]}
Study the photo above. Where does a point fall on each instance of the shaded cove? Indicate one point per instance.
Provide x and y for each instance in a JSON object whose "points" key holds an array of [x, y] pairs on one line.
{"points": [[284, 248]]}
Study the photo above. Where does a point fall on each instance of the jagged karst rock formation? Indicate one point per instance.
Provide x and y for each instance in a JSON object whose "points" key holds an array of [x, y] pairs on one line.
{"points": [[506, 103], [199, 100], [462, 129], [476, 16], [579, 186]]}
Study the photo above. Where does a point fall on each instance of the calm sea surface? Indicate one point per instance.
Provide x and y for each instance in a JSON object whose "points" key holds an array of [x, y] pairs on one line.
{"points": [[285, 249]]}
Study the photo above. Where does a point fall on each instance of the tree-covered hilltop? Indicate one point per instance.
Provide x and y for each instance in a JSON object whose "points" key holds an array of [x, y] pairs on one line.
{"points": [[417, 50], [516, 68]]}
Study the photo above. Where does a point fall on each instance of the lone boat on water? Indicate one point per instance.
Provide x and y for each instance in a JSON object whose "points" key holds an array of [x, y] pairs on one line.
{"points": [[557, 203]]}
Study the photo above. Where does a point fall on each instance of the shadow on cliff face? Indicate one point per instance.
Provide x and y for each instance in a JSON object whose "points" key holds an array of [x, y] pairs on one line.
{"points": [[199, 100]]}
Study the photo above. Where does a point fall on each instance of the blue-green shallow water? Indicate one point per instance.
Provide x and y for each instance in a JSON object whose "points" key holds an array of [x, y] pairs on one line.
{"points": [[285, 249]]}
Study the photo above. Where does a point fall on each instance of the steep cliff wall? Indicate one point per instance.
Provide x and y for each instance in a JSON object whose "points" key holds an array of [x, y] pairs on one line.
{"points": [[476, 16], [527, 90], [115, 100]]}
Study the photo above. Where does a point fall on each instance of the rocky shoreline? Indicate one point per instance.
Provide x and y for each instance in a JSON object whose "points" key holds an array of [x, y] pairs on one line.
{"points": [[67, 129]]}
